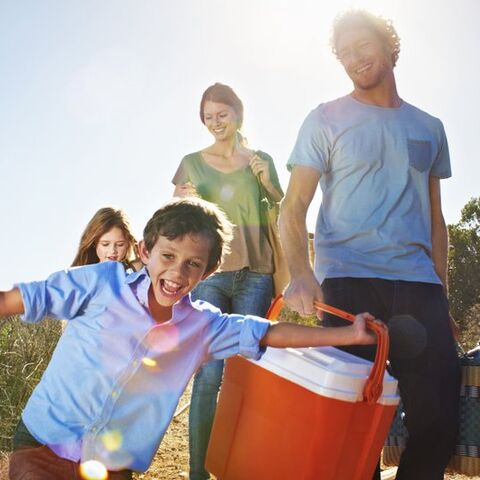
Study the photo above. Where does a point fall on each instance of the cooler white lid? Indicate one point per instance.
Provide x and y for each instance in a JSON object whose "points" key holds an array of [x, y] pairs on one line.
{"points": [[327, 371]]}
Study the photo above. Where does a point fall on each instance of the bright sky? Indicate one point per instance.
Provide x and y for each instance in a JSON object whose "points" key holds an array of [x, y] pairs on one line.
{"points": [[99, 100]]}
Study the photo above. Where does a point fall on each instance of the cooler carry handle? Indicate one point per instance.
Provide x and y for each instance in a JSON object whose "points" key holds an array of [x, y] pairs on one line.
{"points": [[374, 385]]}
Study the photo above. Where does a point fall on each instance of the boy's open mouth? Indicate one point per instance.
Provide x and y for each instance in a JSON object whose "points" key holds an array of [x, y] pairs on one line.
{"points": [[170, 288]]}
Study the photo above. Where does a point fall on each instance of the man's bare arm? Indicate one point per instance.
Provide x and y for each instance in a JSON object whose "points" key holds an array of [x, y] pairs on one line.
{"points": [[303, 288], [439, 231], [440, 242]]}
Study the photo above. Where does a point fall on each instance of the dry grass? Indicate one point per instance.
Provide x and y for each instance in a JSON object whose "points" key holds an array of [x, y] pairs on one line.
{"points": [[25, 351], [3, 466]]}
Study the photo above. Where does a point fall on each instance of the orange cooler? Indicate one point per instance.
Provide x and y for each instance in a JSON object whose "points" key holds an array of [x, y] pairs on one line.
{"points": [[299, 414]]}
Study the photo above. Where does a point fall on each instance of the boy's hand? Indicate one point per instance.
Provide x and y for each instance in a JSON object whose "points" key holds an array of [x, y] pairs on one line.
{"points": [[11, 303], [361, 335]]}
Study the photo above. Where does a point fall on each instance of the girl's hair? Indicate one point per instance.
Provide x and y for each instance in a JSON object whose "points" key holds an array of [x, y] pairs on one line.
{"points": [[220, 93], [102, 222]]}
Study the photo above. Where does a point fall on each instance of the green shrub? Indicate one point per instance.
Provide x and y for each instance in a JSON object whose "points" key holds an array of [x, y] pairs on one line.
{"points": [[470, 331], [25, 351]]}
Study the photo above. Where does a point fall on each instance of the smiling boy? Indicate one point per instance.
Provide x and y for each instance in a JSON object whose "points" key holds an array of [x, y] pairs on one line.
{"points": [[132, 343]]}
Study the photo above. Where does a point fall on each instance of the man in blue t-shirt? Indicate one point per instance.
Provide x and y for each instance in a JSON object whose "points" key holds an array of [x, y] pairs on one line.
{"points": [[381, 239]]}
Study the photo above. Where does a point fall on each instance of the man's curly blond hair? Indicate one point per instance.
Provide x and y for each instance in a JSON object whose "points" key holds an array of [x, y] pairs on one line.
{"points": [[353, 19]]}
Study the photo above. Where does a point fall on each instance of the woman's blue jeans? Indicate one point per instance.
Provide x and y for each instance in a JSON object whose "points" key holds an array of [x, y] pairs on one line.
{"points": [[243, 292]]}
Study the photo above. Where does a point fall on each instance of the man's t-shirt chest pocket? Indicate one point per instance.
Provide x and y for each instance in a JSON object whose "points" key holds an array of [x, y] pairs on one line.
{"points": [[420, 154]]}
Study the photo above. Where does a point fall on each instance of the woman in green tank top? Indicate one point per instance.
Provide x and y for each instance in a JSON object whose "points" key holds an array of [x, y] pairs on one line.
{"points": [[237, 179]]}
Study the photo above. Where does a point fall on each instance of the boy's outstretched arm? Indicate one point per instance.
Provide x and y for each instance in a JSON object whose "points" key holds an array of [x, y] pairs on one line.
{"points": [[283, 334], [11, 303]]}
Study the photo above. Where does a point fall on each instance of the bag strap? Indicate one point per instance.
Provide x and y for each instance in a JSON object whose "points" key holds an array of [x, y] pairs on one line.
{"points": [[374, 385], [264, 197]]}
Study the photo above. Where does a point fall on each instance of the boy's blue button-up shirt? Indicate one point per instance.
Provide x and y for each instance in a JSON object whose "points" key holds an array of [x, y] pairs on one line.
{"points": [[116, 375]]}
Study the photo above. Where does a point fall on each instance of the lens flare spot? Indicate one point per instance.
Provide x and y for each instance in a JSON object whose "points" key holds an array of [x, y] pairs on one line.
{"points": [[112, 440], [161, 340], [149, 362], [93, 470], [226, 192]]}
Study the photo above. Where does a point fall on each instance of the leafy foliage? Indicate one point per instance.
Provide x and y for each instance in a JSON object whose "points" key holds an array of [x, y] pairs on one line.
{"points": [[464, 264], [470, 332]]}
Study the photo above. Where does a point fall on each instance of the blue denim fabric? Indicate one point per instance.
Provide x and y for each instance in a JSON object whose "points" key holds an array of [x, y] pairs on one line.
{"points": [[428, 377], [243, 292]]}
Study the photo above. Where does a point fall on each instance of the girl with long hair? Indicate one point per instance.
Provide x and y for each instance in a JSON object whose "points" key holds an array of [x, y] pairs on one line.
{"points": [[108, 236]]}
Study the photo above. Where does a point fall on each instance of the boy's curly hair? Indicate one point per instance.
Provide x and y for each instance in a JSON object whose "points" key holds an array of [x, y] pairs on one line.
{"points": [[383, 27]]}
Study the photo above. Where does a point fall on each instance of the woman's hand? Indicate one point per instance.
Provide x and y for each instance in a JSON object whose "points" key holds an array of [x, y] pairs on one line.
{"points": [[260, 169], [185, 190]]}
